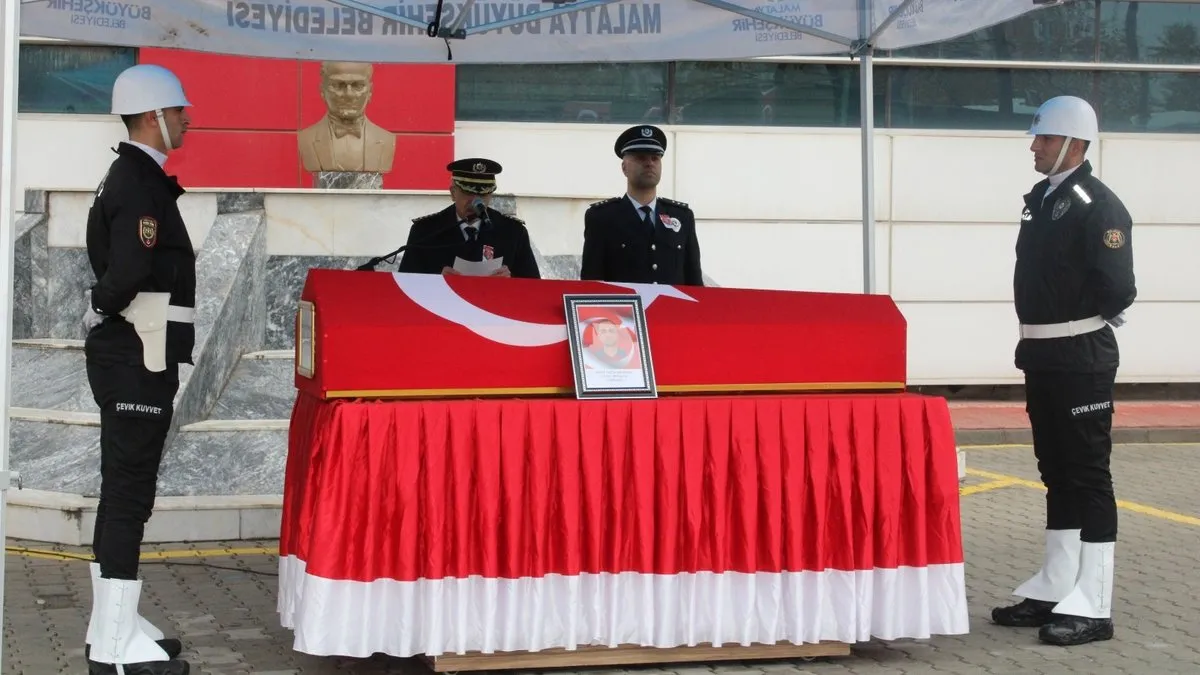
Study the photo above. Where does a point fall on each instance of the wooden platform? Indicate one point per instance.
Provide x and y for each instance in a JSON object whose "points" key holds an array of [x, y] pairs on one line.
{"points": [[585, 657]]}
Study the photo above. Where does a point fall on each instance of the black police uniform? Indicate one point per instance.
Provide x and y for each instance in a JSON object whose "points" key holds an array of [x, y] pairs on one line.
{"points": [[632, 243], [1074, 264], [435, 240], [137, 242]]}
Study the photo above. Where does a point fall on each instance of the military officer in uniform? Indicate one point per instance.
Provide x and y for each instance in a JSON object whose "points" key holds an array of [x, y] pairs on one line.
{"points": [[641, 237], [469, 228], [139, 329], [1073, 282]]}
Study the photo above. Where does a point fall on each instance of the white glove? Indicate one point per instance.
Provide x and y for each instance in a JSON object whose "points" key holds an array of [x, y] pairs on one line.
{"points": [[90, 318], [1117, 321]]}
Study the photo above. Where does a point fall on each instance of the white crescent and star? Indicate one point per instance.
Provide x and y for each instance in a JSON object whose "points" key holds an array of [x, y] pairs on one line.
{"points": [[432, 292]]}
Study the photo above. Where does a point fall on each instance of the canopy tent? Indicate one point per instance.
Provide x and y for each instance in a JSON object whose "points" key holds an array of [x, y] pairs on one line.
{"points": [[484, 31]]}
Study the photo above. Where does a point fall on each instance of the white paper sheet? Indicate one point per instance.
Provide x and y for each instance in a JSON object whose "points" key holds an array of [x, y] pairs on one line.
{"points": [[478, 269]]}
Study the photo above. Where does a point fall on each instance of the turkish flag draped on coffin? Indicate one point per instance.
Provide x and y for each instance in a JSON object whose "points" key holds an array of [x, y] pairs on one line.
{"points": [[416, 335]]}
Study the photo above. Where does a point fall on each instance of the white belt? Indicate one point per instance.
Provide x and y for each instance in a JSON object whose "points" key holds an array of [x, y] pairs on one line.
{"points": [[1046, 331], [179, 314]]}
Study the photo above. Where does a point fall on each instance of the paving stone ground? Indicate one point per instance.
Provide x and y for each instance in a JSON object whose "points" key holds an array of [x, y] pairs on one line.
{"points": [[223, 605]]}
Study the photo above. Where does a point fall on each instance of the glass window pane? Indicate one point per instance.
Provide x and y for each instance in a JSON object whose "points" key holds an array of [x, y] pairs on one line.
{"points": [[58, 78], [593, 92], [1061, 33], [1150, 32], [768, 94], [974, 98], [1151, 102]]}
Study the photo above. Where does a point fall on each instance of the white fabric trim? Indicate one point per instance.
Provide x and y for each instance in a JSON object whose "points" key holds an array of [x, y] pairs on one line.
{"points": [[1045, 331], [436, 617]]}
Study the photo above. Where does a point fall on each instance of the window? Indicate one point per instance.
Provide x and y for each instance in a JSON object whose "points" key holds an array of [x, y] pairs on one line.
{"points": [[767, 94], [627, 93], [1060, 33], [824, 93], [62, 78]]}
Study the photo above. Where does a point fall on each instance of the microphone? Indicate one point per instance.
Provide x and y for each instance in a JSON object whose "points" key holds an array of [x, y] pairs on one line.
{"points": [[481, 211], [370, 264]]}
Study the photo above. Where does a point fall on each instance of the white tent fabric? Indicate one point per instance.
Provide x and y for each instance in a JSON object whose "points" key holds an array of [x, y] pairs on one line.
{"points": [[515, 31], [481, 31]]}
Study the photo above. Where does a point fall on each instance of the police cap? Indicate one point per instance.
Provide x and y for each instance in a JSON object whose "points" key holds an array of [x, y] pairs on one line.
{"points": [[475, 174], [642, 138]]}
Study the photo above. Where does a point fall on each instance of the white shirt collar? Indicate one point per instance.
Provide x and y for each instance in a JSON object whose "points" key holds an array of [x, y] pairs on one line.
{"points": [[1059, 177], [464, 224], [638, 206], [154, 154]]}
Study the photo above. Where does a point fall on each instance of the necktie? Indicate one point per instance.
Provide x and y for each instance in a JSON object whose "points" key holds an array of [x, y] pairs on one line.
{"points": [[472, 232], [648, 216]]}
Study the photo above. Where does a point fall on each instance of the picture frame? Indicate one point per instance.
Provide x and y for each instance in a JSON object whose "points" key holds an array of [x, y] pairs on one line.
{"points": [[610, 346], [306, 337]]}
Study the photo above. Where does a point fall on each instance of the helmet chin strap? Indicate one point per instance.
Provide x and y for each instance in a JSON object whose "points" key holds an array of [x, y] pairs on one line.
{"points": [[166, 136], [1062, 153]]}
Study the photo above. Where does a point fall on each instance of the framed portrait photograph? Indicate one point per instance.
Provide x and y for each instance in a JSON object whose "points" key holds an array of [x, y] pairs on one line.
{"points": [[610, 346]]}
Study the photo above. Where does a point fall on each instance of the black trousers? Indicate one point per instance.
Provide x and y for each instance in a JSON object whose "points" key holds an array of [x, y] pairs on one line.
{"points": [[136, 407], [1071, 417]]}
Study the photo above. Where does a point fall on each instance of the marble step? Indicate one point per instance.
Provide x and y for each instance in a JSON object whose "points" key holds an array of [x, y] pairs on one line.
{"points": [[49, 384]]}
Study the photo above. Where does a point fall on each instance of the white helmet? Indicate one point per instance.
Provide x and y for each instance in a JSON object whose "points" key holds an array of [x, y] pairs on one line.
{"points": [[145, 87], [1068, 116]]}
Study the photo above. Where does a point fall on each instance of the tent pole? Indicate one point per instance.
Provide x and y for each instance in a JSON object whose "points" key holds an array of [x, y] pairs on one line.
{"points": [[866, 88], [11, 30]]}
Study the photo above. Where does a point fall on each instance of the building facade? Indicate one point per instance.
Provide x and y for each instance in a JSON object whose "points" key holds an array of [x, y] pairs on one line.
{"points": [[767, 153]]}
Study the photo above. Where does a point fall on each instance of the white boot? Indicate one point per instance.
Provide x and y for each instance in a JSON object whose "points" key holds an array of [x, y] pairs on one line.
{"points": [[1091, 596], [1059, 568], [147, 627], [116, 632]]}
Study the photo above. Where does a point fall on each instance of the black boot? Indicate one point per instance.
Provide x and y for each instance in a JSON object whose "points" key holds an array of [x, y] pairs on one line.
{"points": [[1066, 630], [1028, 613], [171, 646]]}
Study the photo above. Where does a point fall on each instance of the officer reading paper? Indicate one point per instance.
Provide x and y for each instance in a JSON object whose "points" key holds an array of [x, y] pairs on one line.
{"points": [[468, 236]]}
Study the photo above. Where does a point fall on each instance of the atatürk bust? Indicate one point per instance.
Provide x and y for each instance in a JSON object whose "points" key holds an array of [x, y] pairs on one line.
{"points": [[344, 139]]}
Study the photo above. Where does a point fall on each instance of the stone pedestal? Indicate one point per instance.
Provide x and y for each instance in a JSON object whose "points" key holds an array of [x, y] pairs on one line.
{"points": [[348, 180]]}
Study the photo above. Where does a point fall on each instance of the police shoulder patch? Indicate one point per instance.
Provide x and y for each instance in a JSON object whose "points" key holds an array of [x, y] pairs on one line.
{"points": [[1114, 238], [148, 231]]}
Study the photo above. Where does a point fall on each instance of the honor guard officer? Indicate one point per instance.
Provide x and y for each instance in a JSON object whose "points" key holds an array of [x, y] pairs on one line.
{"points": [[139, 329], [1073, 281], [469, 228], [641, 237]]}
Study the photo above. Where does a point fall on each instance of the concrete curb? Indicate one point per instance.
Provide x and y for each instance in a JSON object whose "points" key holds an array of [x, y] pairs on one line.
{"points": [[1125, 435], [65, 518]]}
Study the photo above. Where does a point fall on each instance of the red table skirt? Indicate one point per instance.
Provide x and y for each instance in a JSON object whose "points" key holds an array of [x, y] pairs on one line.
{"points": [[431, 527]]}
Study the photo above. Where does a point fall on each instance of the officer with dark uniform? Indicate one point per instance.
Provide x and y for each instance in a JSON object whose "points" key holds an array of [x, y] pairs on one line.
{"points": [[469, 228], [139, 329], [641, 237], [1073, 282]]}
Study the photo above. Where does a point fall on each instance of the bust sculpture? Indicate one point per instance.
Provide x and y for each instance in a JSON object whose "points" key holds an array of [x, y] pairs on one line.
{"points": [[344, 140]]}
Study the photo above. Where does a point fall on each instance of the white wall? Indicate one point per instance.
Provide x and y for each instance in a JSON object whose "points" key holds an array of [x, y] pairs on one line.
{"points": [[780, 208]]}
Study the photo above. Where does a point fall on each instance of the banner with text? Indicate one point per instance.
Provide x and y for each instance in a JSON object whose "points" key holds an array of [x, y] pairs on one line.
{"points": [[511, 31]]}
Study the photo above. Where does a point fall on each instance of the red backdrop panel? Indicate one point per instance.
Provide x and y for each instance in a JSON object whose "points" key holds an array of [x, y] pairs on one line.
{"points": [[230, 92], [405, 99], [237, 159], [248, 110]]}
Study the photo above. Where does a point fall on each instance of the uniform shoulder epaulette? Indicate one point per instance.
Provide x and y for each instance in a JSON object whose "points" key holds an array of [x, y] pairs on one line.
{"points": [[427, 216], [602, 202], [674, 202], [514, 219], [1082, 193]]}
